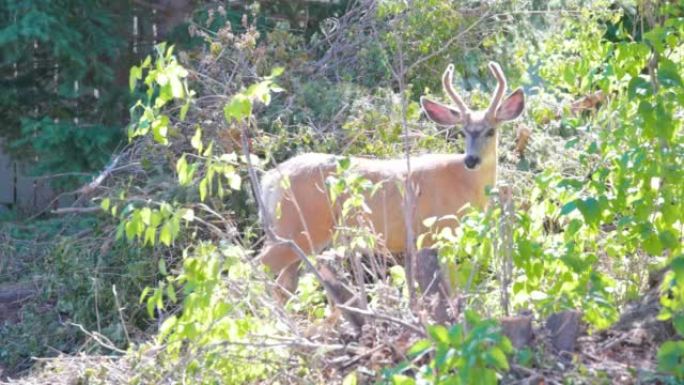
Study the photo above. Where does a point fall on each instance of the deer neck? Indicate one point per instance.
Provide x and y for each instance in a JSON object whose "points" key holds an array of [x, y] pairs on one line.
{"points": [[490, 158]]}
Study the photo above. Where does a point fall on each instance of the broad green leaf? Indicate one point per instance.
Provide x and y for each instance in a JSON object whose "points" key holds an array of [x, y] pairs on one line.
{"points": [[134, 76], [203, 189], [184, 177], [568, 208], [499, 358], [144, 294], [196, 140], [677, 267], [165, 234], [150, 236], [162, 266], [639, 87], [167, 326], [429, 222], [277, 71], [678, 322], [439, 333], [400, 379], [239, 108], [171, 293], [177, 89], [160, 129], [146, 215], [590, 210], [184, 110], [105, 204], [350, 379], [419, 347]]}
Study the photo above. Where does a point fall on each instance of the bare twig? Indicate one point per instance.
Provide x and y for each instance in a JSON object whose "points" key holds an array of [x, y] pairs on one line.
{"points": [[76, 210], [409, 197], [99, 338], [372, 314], [119, 309]]}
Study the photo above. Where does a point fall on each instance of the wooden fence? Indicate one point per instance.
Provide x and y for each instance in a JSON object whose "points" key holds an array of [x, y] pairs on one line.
{"points": [[27, 194], [149, 21]]}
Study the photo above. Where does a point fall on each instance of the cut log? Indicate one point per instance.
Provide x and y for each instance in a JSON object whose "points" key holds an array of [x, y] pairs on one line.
{"points": [[16, 292], [518, 329], [564, 330], [432, 284]]}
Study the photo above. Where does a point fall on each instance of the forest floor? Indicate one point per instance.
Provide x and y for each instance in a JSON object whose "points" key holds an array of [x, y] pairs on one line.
{"points": [[622, 354]]}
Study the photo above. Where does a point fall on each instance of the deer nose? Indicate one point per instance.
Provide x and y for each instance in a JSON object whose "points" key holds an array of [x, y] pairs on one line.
{"points": [[472, 161]]}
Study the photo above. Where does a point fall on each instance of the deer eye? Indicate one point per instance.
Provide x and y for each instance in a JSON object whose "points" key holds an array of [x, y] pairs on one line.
{"points": [[490, 133]]}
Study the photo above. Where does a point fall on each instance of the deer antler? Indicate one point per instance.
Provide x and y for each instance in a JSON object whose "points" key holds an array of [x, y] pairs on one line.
{"points": [[447, 81], [495, 68]]}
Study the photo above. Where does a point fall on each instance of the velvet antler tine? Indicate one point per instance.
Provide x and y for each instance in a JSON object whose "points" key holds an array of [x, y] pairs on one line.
{"points": [[447, 82], [500, 87]]}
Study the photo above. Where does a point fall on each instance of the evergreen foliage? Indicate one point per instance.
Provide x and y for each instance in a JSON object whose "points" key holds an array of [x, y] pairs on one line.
{"points": [[59, 97]]}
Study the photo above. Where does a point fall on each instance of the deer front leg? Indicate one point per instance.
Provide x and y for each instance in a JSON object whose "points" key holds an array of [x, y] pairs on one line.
{"points": [[283, 262]]}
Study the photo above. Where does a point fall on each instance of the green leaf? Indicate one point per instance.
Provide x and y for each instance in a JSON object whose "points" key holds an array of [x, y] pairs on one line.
{"points": [[150, 236], [668, 74], [162, 266], [165, 234], [203, 189], [150, 306], [196, 140], [184, 110], [419, 347], [350, 379], [276, 71], [259, 91], [239, 108], [430, 221], [134, 76], [678, 322], [184, 177], [400, 379], [160, 129], [590, 210], [677, 267], [105, 204], [167, 326], [568, 208], [177, 89], [171, 293], [144, 294], [499, 358], [145, 215], [639, 87], [439, 333]]}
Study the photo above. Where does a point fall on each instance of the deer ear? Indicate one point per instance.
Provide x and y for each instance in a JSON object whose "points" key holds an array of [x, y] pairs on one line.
{"points": [[512, 106], [439, 113]]}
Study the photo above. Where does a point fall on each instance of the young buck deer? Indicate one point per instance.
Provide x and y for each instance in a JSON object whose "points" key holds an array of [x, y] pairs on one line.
{"points": [[300, 209]]}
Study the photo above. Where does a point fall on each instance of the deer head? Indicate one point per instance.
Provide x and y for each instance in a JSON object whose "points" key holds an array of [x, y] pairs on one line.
{"points": [[478, 127]]}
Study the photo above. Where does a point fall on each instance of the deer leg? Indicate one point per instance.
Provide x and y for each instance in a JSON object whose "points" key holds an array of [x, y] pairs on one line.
{"points": [[339, 294], [284, 264]]}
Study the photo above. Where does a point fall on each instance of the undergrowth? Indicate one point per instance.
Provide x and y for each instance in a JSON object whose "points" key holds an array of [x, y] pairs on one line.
{"points": [[597, 203]]}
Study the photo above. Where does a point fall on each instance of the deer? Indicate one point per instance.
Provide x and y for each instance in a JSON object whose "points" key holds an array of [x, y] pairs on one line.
{"points": [[299, 208]]}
